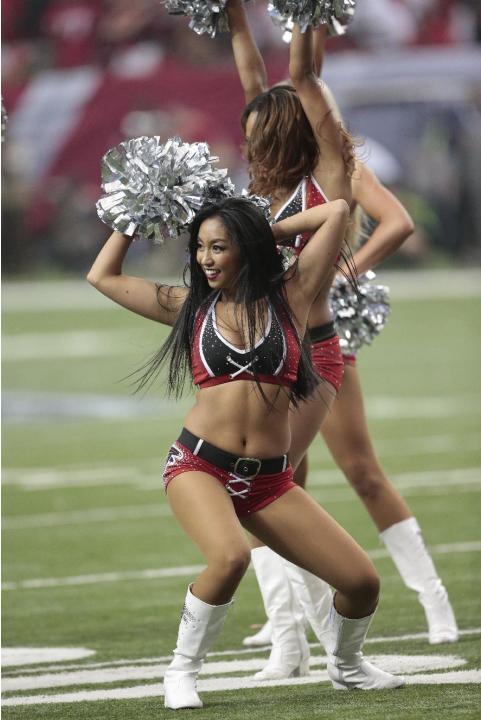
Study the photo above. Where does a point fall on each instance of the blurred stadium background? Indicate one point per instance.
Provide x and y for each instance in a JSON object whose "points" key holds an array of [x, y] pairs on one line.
{"points": [[79, 76], [92, 556]]}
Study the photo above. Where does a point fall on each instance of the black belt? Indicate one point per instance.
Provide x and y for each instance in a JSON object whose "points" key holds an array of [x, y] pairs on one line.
{"points": [[321, 332], [245, 467]]}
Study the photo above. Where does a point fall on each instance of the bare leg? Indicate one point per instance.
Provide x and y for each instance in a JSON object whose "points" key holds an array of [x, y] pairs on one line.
{"points": [[205, 511], [297, 528], [280, 600], [347, 437]]}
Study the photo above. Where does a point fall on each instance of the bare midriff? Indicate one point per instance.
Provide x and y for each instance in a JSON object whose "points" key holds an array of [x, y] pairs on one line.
{"points": [[236, 418]]}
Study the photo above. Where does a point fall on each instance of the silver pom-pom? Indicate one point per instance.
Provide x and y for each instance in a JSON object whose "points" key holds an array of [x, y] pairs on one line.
{"points": [[288, 255], [4, 121], [153, 190], [262, 203], [206, 16], [336, 14], [360, 316]]}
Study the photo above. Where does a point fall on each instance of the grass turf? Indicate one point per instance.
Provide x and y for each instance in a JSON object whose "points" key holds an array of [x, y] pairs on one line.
{"points": [[425, 411]]}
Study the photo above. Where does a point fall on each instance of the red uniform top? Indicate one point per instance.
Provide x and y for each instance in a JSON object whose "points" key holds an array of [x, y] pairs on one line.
{"points": [[274, 359], [307, 194]]}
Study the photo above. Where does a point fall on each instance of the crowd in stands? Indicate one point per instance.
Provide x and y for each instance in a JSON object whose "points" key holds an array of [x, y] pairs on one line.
{"points": [[79, 76], [39, 34]]}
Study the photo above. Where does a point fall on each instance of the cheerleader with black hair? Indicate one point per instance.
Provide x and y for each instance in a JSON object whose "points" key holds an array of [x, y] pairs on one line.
{"points": [[236, 329]]}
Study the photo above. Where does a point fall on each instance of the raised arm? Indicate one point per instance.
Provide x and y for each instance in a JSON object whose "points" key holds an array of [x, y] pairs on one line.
{"points": [[248, 60], [394, 222], [335, 147], [328, 223], [155, 302], [319, 37]]}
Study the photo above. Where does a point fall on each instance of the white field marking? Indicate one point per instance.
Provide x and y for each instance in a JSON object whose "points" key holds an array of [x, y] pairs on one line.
{"points": [[55, 295], [68, 295], [401, 408], [437, 481], [11, 657], [222, 684], [68, 344], [428, 445], [73, 477], [23, 406], [19, 406], [155, 574], [406, 480], [446, 549], [457, 677], [104, 578], [219, 653], [32, 479], [345, 495], [389, 663], [78, 517], [146, 475]]}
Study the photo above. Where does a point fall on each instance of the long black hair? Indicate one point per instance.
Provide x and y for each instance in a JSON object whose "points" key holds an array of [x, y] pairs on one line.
{"points": [[261, 277]]}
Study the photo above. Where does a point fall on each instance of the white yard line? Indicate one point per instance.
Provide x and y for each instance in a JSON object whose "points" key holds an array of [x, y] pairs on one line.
{"points": [[109, 577], [78, 517], [146, 474], [399, 408], [436, 481], [426, 478], [390, 663], [14, 656], [69, 344], [222, 684], [234, 652], [26, 406], [188, 570], [444, 549], [69, 295]]}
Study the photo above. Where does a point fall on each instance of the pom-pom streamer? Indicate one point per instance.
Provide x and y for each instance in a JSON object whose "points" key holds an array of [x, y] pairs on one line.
{"points": [[359, 316], [336, 14], [262, 203], [206, 16], [153, 190]]}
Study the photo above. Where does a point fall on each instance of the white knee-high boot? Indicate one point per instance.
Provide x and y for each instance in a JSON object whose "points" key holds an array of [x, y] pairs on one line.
{"points": [[315, 597], [346, 666], [199, 626], [405, 544], [261, 637], [290, 651]]}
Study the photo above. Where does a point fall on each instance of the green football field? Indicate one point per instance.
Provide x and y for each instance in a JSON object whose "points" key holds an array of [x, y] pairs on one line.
{"points": [[95, 568]]}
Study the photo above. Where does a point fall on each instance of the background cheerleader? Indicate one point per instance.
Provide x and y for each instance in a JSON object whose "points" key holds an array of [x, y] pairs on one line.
{"points": [[345, 427]]}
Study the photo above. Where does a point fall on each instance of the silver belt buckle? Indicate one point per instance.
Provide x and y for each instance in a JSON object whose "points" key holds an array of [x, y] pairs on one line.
{"points": [[238, 467]]}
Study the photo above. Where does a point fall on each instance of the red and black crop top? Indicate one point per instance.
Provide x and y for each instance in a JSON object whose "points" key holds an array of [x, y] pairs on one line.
{"points": [[215, 360], [307, 195]]}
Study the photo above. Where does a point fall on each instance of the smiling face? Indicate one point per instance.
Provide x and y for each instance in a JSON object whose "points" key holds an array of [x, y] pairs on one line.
{"points": [[218, 257]]}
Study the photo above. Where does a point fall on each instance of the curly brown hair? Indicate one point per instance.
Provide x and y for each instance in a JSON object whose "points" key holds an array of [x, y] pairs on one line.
{"points": [[282, 148]]}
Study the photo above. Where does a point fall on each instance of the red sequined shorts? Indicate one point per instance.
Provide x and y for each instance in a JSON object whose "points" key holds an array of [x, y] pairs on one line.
{"points": [[328, 361], [248, 495], [349, 359]]}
